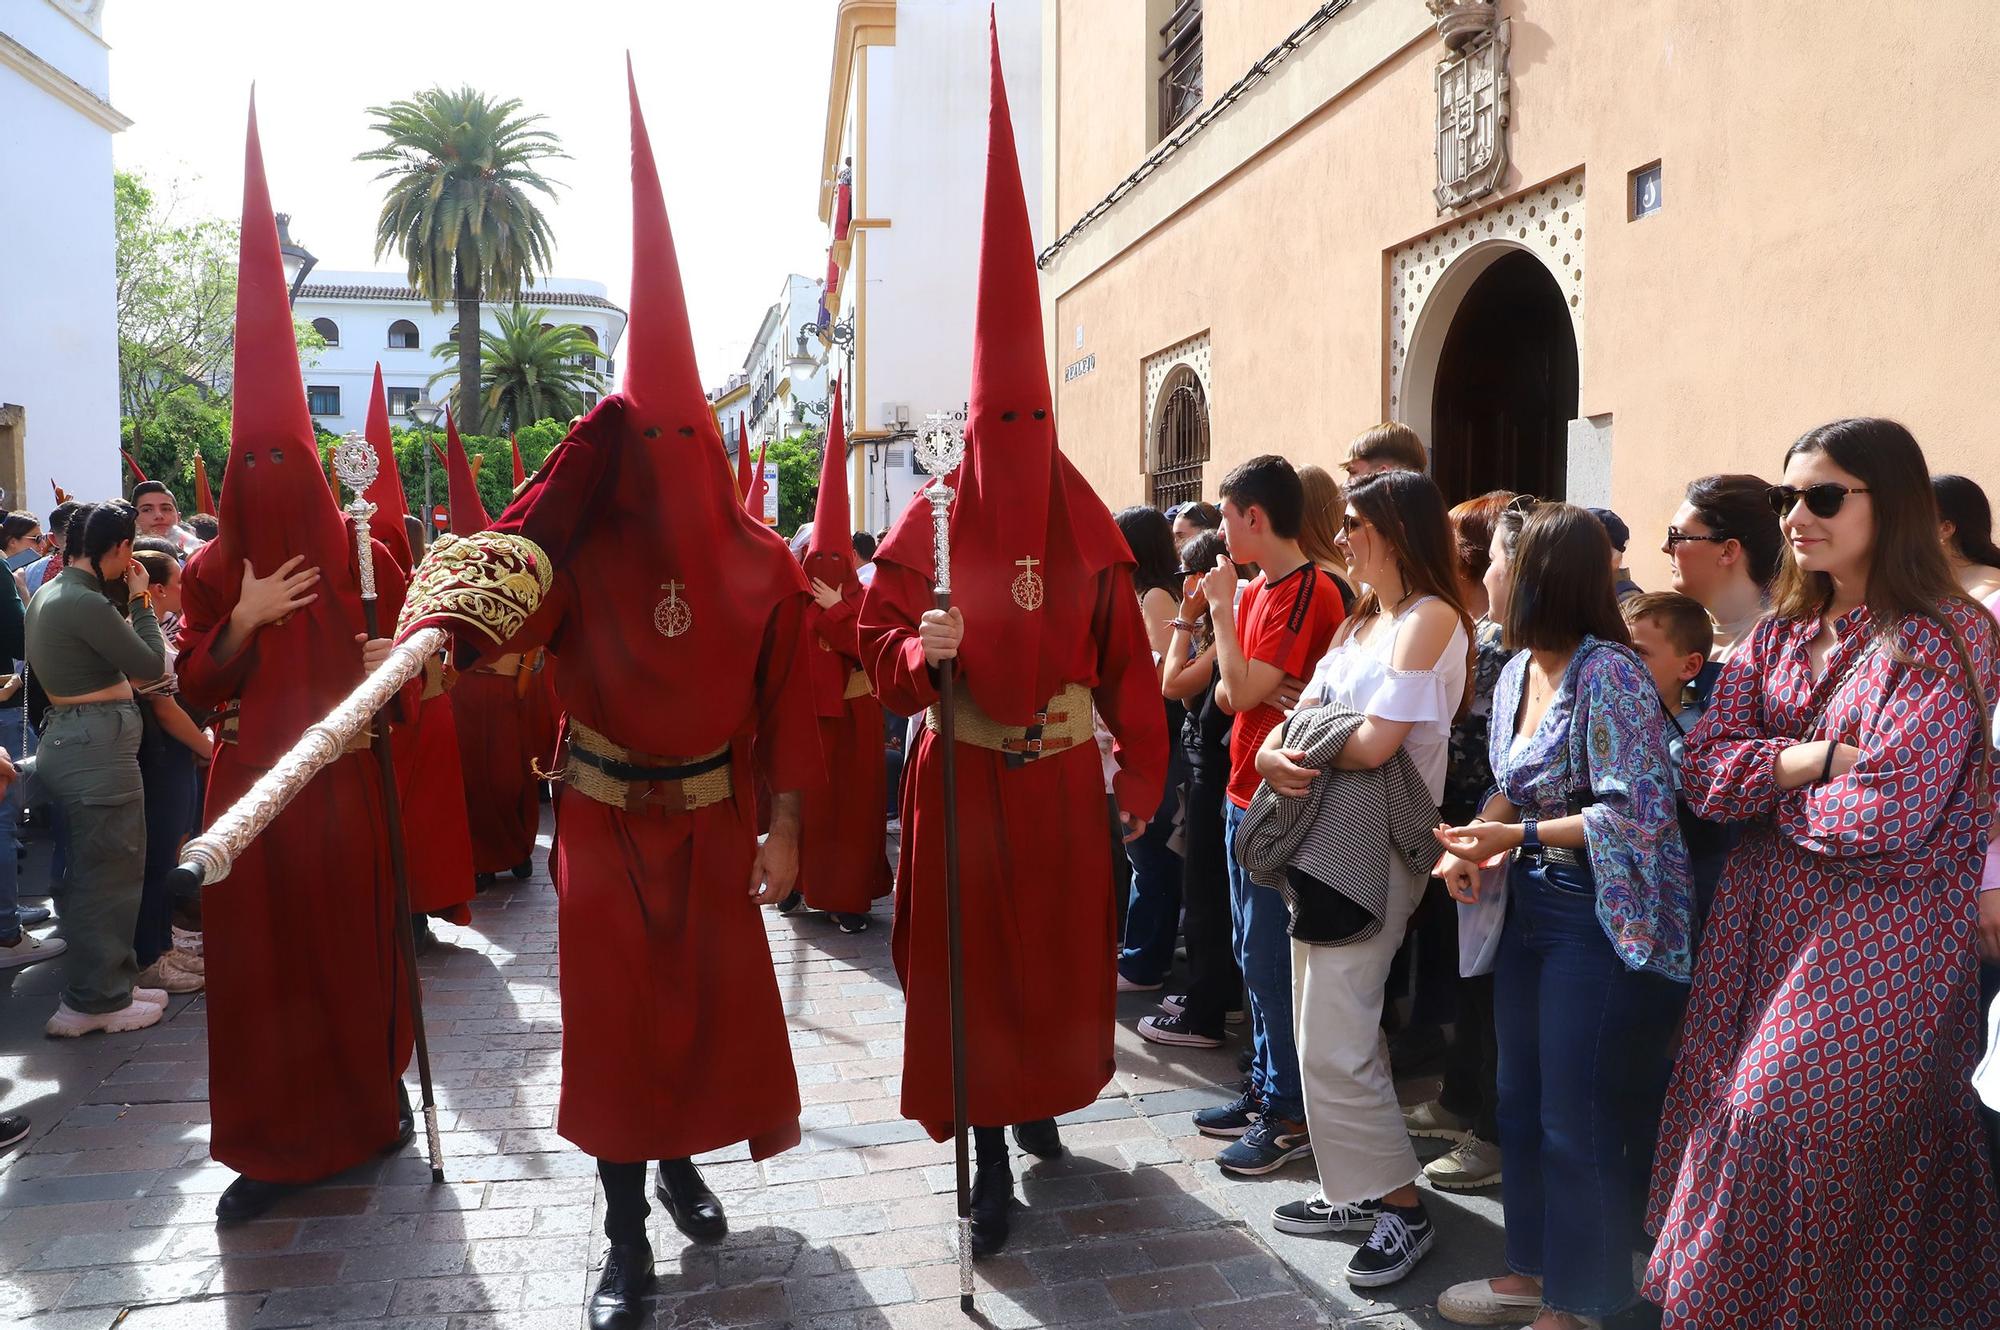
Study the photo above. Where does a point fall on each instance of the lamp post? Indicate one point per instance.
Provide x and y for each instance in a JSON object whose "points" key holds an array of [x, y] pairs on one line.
{"points": [[425, 414], [298, 260]]}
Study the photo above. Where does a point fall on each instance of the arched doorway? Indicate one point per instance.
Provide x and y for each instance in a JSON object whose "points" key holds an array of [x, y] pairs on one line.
{"points": [[1506, 385], [1180, 439]]}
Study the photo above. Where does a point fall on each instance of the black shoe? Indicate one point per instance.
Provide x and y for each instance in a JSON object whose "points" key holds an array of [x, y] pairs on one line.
{"points": [[621, 1291], [791, 903], [851, 923], [406, 1120], [992, 1198], [524, 870], [481, 881], [13, 1129], [246, 1198], [1403, 1236], [1040, 1139], [690, 1204], [421, 937]]}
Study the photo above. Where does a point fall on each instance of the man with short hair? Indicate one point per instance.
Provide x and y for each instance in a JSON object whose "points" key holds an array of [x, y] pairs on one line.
{"points": [[1620, 534], [1285, 623], [1389, 446], [160, 516]]}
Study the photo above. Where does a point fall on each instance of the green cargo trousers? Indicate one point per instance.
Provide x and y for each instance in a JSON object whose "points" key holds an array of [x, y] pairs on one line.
{"points": [[88, 762]]}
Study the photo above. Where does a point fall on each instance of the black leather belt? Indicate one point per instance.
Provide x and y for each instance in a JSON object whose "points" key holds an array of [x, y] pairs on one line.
{"points": [[1554, 854], [625, 771]]}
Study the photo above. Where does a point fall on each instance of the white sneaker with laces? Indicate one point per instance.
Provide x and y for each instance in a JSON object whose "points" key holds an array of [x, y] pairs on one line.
{"points": [[69, 1023], [1467, 1166], [162, 976], [188, 941], [30, 949]]}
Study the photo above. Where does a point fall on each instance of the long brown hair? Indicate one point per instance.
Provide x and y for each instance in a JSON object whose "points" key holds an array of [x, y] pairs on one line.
{"points": [[1407, 509], [1562, 583], [1907, 571], [1321, 522]]}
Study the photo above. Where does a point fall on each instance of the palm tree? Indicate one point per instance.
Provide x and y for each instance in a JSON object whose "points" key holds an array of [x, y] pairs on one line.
{"points": [[529, 370], [460, 207]]}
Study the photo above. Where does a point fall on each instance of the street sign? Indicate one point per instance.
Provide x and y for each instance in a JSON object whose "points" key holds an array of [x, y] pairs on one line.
{"points": [[770, 513], [440, 517]]}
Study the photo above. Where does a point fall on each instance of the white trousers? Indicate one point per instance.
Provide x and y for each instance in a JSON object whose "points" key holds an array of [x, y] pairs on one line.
{"points": [[1358, 1139]]}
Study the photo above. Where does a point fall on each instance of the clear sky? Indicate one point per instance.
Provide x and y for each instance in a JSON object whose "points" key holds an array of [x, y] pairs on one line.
{"points": [[734, 94]]}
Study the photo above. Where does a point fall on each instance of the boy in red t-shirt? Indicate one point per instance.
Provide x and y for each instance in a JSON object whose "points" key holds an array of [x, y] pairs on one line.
{"points": [[1263, 648]]}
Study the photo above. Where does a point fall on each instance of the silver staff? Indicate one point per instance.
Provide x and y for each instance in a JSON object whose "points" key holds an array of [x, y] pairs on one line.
{"points": [[940, 448]]}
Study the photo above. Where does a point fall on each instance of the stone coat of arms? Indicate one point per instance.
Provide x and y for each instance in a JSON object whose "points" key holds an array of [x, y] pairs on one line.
{"points": [[1472, 93]]}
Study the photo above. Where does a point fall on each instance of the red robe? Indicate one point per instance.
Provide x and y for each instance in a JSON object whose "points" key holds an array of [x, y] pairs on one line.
{"points": [[497, 750], [437, 840], [674, 1037], [843, 865], [1034, 871], [308, 1018]]}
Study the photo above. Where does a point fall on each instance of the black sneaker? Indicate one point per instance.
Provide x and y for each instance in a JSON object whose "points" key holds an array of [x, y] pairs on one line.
{"points": [[1316, 1216], [1402, 1237], [791, 903], [1175, 1004], [851, 923], [1265, 1148], [1229, 1120], [13, 1129], [1175, 1031]]}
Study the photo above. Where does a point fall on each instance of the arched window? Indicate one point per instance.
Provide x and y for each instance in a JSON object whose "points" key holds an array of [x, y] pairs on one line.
{"points": [[327, 329], [1180, 439], [402, 335], [587, 360]]}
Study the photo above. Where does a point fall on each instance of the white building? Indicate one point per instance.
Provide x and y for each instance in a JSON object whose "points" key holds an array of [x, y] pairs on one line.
{"points": [[782, 388], [58, 299], [906, 113], [367, 317]]}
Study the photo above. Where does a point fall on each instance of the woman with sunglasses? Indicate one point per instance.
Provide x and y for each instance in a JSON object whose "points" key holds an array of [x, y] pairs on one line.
{"points": [[1723, 546], [1402, 663], [1820, 1163]]}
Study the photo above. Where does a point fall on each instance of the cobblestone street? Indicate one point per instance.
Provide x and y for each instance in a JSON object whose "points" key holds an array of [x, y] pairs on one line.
{"points": [[108, 1208]]}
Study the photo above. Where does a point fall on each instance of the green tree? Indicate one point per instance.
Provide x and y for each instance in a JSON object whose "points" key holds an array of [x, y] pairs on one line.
{"points": [[796, 462], [461, 208], [176, 293], [529, 369]]}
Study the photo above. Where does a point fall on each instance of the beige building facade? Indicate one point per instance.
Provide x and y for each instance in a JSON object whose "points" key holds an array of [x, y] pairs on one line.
{"points": [[1695, 228]]}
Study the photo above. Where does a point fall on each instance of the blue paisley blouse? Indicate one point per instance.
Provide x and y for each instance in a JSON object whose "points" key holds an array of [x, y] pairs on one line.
{"points": [[1605, 734]]}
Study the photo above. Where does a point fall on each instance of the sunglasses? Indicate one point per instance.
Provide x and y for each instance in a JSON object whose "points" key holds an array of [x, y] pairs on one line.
{"points": [[1522, 503], [1820, 500], [1676, 536], [1349, 523]]}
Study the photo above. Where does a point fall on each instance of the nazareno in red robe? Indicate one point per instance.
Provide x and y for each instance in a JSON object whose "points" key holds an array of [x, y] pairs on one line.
{"points": [[497, 752], [1034, 871], [437, 838], [843, 864], [308, 1016]]}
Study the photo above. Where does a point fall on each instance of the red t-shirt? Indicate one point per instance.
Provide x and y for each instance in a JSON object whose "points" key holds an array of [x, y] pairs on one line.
{"points": [[1288, 623]]}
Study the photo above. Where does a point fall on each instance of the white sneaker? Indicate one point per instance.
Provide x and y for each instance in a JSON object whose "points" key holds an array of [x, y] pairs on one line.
{"points": [[187, 941], [1469, 1165], [1476, 1303], [1431, 1120], [152, 997], [31, 949], [68, 1023], [162, 976], [187, 962]]}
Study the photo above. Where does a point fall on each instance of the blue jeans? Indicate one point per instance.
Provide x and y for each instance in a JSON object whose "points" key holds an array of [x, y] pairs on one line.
{"points": [[1583, 1069], [1264, 951], [1154, 916]]}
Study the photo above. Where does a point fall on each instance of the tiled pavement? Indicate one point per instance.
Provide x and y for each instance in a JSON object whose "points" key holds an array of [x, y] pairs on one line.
{"points": [[106, 1214]]}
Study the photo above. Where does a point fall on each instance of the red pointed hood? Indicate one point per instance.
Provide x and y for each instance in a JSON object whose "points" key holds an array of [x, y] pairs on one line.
{"points": [[743, 461], [138, 476], [204, 497], [468, 514], [386, 493], [276, 504], [1019, 499], [830, 551], [755, 504], [520, 471], [636, 504]]}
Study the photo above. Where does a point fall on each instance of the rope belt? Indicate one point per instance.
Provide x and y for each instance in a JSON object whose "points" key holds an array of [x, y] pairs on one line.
{"points": [[638, 782], [1063, 724], [229, 724], [857, 686]]}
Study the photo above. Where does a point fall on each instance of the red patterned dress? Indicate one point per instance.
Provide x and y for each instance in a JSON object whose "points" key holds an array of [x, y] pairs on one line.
{"points": [[1820, 1165]]}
